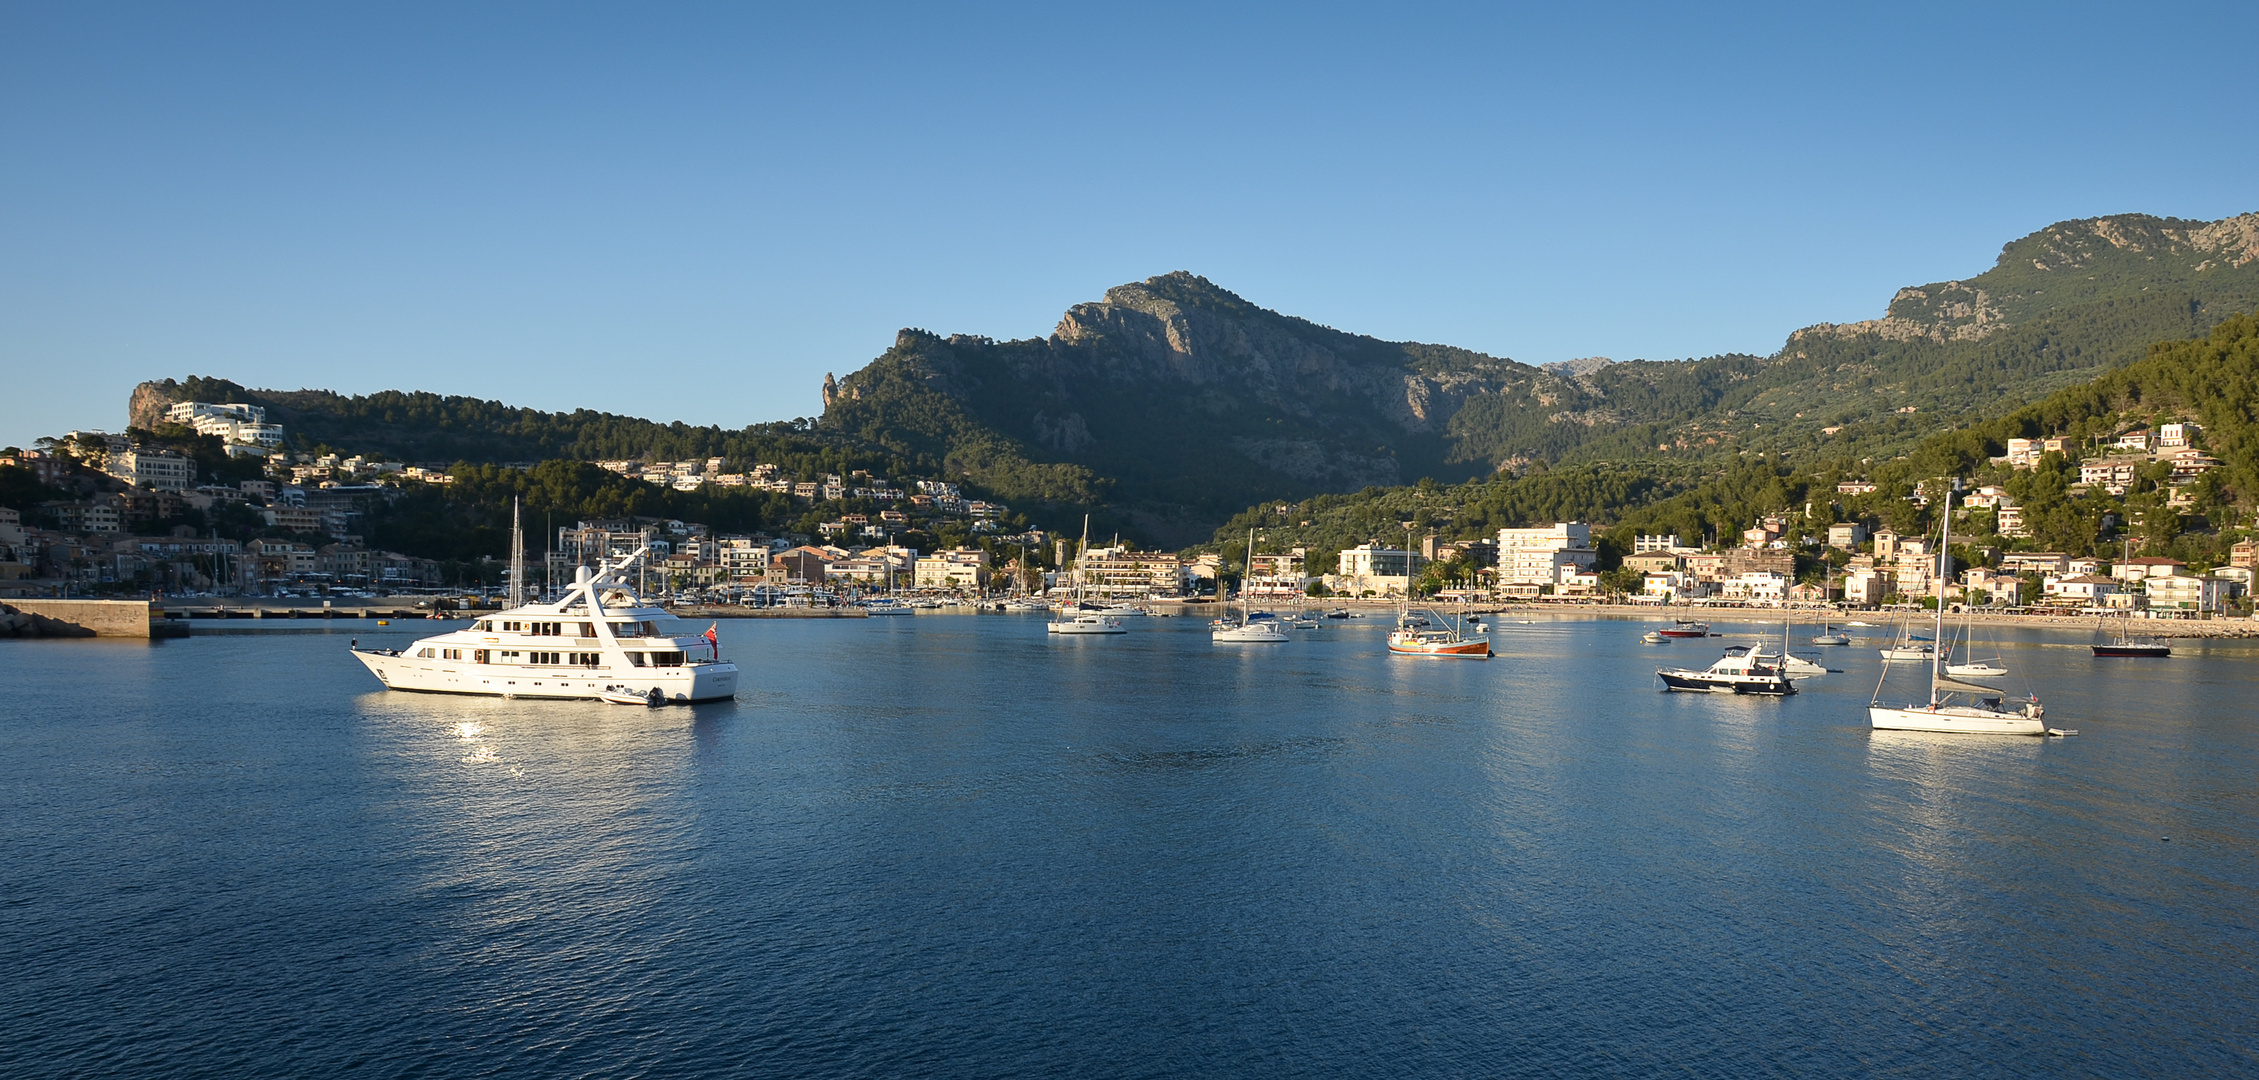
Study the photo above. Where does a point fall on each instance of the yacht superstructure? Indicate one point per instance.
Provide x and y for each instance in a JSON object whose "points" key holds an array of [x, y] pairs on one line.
{"points": [[599, 637]]}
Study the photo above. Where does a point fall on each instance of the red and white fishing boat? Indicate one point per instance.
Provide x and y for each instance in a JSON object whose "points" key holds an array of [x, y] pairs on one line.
{"points": [[1684, 628]]}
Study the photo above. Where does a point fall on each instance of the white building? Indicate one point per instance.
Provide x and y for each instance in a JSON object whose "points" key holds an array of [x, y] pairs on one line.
{"points": [[1672, 586], [2083, 589], [1757, 587], [1371, 567], [1545, 555], [160, 470], [2171, 436], [234, 423], [2188, 593], [1277, 575], [962, 568], [1643, 544]]}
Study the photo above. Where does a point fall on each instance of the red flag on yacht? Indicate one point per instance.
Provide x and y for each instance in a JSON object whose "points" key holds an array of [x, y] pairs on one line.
{"points": [[714, 638]]}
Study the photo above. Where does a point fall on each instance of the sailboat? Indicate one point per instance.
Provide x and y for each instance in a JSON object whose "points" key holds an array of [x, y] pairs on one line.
{"points": [[1792, 665], [2128, 645], [1909, 645], [1248, 630], [1970, 666], [1430, 633], [1076, 620], [1954, 706]]}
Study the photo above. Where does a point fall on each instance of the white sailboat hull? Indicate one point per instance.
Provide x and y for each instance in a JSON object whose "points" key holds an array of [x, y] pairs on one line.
{"points": [[1954, 719], [1088, 624], [1252, 633], [689, 683]]}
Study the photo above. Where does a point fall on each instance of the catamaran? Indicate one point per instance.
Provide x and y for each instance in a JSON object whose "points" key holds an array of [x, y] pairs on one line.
{"points": [[1956, 707], [599, 642]]}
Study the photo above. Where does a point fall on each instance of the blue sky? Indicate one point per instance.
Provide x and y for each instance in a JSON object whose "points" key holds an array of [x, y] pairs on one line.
{"points": [[693, 213]]}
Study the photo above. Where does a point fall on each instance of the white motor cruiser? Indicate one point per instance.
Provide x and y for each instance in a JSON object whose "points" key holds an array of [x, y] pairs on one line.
{"points": [[600, 642]]}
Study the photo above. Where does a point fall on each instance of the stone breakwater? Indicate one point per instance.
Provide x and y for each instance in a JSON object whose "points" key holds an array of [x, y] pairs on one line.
{"points": [[25, 624]]}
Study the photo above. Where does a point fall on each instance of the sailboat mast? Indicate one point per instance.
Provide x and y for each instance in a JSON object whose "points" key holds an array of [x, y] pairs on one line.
{"points": [[1080, 549], [517, 558], [1245, 573], [1944, 569]]}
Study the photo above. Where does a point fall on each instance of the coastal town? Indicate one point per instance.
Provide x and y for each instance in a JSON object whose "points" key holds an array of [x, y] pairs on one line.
{"points": [[144, 515]]}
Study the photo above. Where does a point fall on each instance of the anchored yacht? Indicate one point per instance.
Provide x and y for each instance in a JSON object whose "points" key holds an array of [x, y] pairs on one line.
{"points": [[601, 642]]}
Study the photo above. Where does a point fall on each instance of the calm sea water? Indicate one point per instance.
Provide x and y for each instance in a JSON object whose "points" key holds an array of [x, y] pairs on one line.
{"points": [[952, 846]]}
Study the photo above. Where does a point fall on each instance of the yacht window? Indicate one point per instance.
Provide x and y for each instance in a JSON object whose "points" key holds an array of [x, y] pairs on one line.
{"points": [[451, 654], [424, 654], [586, 630], [623, 629], [666, 659], [586, 659], [543, 657], [635, 659], [478, 656], [512, 657]]}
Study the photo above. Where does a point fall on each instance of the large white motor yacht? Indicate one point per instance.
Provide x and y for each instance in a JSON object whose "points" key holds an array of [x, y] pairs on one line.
{"points": [[599, 640]]}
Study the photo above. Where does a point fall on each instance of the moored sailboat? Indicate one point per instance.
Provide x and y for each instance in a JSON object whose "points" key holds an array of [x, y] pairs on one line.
{"points": [[1955, 707]]}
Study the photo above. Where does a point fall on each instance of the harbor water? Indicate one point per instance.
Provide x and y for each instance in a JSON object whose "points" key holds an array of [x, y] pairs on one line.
{"points": [[953, 845]]}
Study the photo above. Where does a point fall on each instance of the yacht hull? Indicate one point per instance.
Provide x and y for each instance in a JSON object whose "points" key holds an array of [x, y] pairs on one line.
{"points": [[2133, 650], [1700, 682], [691, 683], [1954, 719], [1466, 650], [1247, 635]]}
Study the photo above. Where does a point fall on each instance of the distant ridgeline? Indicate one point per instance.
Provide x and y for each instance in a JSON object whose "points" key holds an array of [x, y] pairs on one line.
{"points": [[1171, 404]]}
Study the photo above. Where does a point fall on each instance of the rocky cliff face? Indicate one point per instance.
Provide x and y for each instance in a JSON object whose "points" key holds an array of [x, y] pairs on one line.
{"points": [[1183, 329], [150, 400], [1175, 385]]}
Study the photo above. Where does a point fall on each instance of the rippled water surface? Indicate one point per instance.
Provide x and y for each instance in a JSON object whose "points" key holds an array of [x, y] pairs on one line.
{"points": [[950, 846]]}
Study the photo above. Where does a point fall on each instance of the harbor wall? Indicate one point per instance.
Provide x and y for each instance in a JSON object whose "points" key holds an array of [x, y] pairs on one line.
{"points": [[83, 618]]}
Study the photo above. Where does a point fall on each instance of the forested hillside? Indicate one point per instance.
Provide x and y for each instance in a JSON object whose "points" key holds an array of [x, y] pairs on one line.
{"points": [[2212, 380]]}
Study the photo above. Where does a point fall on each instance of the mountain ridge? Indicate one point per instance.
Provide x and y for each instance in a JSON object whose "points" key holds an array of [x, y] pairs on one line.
{"points": [[1176, 403]]}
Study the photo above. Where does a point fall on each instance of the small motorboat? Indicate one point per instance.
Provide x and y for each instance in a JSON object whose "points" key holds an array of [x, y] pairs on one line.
{"points": [[1655, 637], [1981, 669], [621, 695], [1829, 635]]}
